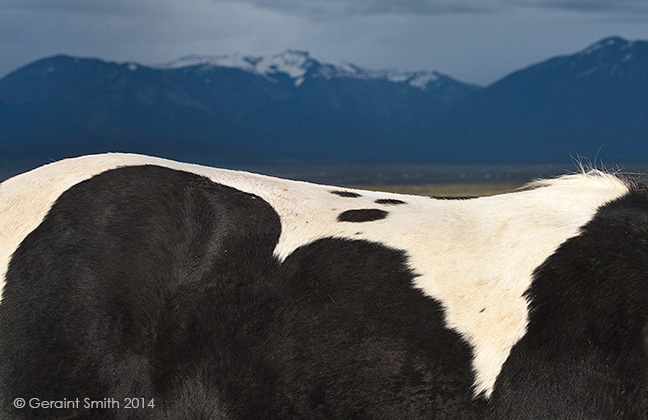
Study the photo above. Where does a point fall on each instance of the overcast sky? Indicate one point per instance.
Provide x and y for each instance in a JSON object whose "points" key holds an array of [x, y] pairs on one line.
{"points": [[477, 41]]}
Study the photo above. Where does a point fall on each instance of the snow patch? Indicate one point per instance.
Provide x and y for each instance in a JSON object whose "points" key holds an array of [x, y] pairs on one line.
{"points": [[627, 46], [299, 65], [421, 80], [606, 43], [593, 49], [589, 72]]}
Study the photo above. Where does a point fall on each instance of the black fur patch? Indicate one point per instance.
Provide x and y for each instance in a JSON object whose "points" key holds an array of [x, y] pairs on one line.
{"points": [[584, 354], [389, 201], [443, 197], [130, 288], [371, 346], [346, 194], [362, 215]]}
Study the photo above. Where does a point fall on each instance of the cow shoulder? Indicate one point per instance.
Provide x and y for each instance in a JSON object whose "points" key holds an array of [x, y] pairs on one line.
{"points": [[109, 295]]}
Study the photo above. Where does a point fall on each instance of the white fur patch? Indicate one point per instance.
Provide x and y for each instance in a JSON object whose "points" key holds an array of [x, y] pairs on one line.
{"points": [[475, 256]]}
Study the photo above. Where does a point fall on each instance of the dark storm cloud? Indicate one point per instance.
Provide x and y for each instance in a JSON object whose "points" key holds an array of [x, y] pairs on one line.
{"points": [[378, 7], [325, 8], [96, 7], [436, 7], [600, 6]]}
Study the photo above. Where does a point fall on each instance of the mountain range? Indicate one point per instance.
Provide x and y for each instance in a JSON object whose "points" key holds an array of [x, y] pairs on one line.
{"points": [[294, 107]]}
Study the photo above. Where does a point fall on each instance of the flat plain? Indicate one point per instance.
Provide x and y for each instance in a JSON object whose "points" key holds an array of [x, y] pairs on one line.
{"points": [[445, 190]]}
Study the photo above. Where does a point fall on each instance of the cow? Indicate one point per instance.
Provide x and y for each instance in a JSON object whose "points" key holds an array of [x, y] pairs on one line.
{"points": [[136, 287]]}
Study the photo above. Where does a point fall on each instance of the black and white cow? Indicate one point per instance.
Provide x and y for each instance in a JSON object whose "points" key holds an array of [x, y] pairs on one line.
{"points": [[214, 294]]}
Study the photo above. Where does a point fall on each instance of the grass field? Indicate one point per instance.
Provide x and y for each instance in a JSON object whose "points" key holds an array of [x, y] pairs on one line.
{"points": [[448, 190]]}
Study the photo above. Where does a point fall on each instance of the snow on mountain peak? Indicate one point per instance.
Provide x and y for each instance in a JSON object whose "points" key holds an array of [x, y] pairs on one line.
{"points": [[607, 43], [299, 65], [234, 61], [294, 63]]}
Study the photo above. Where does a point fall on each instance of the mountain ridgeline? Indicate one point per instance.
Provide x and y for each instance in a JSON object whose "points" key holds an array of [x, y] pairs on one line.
{"points": [[293, 107]]}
